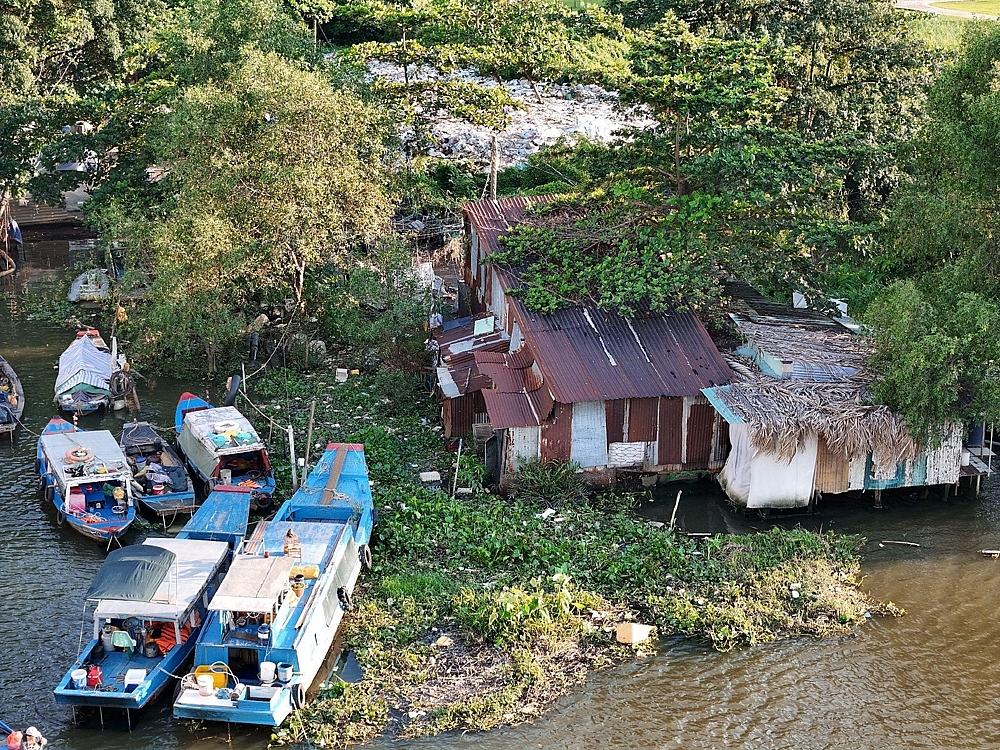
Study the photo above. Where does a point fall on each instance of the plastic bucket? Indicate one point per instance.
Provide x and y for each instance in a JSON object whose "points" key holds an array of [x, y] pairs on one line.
{"points": [[267, 671], [966, 457], [284, 672], [159, 489], [79, 677], [264, 633], [206, 685]]}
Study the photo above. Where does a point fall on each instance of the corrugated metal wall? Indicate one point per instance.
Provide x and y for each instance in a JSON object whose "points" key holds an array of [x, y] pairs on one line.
{"points": [[525, 444], [556, 433], [832, 470], [670, 436], [700, 431], [642, 418], [615, 419], [589, 434]]}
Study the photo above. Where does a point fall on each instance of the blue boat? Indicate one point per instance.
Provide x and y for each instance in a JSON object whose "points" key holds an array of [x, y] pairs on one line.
{"points": [[162, 482], [273, 620], [222, 447], [86, 476], [149, 606]]}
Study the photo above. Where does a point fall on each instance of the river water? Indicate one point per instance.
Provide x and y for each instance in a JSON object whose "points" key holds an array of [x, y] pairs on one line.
{"points": [[925, 680]]}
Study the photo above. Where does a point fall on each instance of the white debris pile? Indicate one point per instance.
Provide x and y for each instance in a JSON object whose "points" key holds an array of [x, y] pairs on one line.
{"points": [[567, 110]]}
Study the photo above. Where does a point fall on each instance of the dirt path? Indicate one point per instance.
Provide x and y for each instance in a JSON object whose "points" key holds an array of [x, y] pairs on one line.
{"points": [[926, 7]]}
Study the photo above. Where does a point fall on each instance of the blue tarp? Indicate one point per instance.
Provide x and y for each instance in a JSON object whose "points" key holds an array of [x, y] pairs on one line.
{"points": [[83, 365]]}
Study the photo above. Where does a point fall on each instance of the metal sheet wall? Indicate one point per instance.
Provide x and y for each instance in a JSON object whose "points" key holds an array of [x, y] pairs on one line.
{"points": [[615, 419], [524, 441], [556, 433], [700, 431], [457, 414], [670, 437], [589, 435], [642, 418]]}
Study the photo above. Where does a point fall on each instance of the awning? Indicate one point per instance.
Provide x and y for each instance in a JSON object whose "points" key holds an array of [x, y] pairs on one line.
{"points": [[131, 573], [83, 364], [253, 584]]}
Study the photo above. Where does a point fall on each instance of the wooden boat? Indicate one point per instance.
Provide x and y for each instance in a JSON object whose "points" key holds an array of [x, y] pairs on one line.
{"points": [[222, 447], [93, 376], [273, 620], [90, 286], [11, 398], [87, 477], [162, 482], [148, 607]]}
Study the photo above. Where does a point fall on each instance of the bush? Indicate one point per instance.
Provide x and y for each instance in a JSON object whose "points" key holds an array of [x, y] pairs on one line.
{"points": [[549, 482]]}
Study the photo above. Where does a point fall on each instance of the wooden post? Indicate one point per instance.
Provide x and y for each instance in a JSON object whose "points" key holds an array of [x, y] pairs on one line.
{"points": [[878, 498], [291, 453], [309, 440], [458, 462], [677, 502], [494, 167]]}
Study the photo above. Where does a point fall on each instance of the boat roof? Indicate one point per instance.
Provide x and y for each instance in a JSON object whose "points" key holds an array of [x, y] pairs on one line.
{"points": [[222, 517], [253, 584], [202, 424], [351, 486], [134, 573], [101, 443], [316, 539], [83, 363], [194, 563]]}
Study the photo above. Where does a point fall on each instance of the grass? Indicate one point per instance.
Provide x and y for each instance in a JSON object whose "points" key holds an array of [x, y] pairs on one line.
{"points": [[941, 32], [982, 7]]}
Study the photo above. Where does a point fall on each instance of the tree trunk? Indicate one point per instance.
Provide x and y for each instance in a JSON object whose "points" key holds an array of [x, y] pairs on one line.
{"points": [[534, 87]]}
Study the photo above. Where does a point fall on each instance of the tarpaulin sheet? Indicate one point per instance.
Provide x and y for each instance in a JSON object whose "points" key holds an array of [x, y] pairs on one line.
{"points": [[83, 364], [132, 573]]}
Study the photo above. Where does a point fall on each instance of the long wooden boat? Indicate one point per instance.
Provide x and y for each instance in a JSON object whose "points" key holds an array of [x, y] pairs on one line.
{"points": [[148, 606], [11, 398], [162, 482], [86, 476], [273, 620], [222, 447]]}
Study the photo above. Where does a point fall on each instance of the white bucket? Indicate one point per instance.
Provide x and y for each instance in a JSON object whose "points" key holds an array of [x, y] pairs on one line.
{"points": [[966, 458], [285, 672], [206, 685], [79, 677], [226, 476], [267, 671]]}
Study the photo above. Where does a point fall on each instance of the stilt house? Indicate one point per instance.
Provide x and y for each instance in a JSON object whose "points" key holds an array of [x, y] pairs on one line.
{"points": [[581, 384]]}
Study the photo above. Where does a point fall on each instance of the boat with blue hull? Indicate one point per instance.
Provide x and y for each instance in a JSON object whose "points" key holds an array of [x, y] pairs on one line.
{"points": [[162, 482], [87, 477], [222, 447], [273, 620], [149, 604]]}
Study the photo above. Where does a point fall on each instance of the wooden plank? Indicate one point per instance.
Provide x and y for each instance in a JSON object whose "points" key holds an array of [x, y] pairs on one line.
{"points": [[330, 491]]}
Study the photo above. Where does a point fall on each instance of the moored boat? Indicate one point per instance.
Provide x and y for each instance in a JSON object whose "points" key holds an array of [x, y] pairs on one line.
{"points": [[90, 286], [11, 398], [87, 477], [273, 620], [222, 447], [149, 605], [83, 382], [162, 482]]}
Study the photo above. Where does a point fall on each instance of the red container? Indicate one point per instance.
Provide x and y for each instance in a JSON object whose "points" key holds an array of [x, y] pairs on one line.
{"points": [[94, 676]]}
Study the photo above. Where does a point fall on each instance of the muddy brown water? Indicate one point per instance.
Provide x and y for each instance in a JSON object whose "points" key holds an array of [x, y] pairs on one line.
{"points": [[930, 679]]}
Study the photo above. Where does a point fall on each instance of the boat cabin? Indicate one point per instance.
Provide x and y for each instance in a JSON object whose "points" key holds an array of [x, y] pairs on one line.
{"points": [[89, 472]]}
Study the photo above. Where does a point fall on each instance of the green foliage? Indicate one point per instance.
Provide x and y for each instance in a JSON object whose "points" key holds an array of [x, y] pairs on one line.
{"points": [[548, 482]]}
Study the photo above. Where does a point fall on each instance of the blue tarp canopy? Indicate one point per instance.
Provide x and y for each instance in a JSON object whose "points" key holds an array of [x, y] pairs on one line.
{"points": [[83, 367], [131, 573]]}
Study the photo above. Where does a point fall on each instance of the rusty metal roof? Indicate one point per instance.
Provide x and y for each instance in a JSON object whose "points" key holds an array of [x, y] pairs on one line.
{"points": [[492, 218], [518, 397], [456, 358]]}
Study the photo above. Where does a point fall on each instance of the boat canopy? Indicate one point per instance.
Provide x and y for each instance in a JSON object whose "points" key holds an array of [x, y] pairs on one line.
{"points": [[140, 435], [205, 424], [253, 584], [105, 454], [83, 367], [192, 563], [131, 573]]}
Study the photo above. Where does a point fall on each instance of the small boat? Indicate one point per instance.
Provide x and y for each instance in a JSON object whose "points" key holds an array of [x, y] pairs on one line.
{"points": [[93, 376], [87, 477], [90, 286], [273, 620], [161, 481], [149, 605], [11, 398], [222, 447]]}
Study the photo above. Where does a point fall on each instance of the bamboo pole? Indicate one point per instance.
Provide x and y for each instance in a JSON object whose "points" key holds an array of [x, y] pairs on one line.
{"points": [[677, 502], [291, 452], [458, 462], [309, 441]]}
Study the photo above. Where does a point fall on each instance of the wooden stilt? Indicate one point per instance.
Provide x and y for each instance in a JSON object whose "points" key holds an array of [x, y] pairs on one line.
{"points": [[878, 498]]}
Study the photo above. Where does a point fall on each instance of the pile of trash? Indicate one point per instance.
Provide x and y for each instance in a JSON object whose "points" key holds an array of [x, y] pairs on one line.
{"points": [[567, 110]]}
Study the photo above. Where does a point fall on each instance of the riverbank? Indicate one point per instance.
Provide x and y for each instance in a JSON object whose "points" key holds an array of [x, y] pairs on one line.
{"points": [[480, 611]]}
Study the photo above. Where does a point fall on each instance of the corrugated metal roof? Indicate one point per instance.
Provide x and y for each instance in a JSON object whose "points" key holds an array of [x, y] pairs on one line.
{"points": [[492, 218], [456, 353], [751, 305], [518, 397]]}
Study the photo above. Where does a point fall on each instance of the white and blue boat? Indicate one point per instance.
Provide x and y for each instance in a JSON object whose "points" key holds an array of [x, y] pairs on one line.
{"points": [[162, 482], [222, 447], [273, 620], [149, 604], [86, 476]]}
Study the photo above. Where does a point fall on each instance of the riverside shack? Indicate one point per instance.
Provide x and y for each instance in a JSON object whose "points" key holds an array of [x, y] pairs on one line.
{"points": [[581, 384], [800, 422]]}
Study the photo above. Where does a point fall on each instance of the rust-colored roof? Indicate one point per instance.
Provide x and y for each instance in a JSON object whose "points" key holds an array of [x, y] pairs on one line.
{"points": [[588, 354], [457, 348], [518, 397]]}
